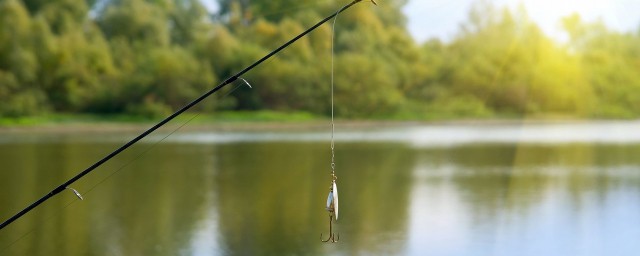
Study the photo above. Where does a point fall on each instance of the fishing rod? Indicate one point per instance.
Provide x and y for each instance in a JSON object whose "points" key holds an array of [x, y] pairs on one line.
{"points": [[229, 80]]}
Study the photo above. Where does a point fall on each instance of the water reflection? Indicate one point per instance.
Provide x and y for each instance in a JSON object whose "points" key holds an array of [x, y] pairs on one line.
{"points": [[272, 197], [267, 196], [537, 200]]}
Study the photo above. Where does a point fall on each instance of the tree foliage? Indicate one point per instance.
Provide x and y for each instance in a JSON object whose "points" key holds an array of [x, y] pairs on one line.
{"points": [[149, 57]]}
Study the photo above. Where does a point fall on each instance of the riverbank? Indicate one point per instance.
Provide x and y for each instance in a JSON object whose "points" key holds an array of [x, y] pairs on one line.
{"points": [[236, 121], [224, 121]]}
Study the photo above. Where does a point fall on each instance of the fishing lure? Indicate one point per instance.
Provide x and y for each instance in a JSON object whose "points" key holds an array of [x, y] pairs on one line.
{"points": [[332, 199], [332, 208]]}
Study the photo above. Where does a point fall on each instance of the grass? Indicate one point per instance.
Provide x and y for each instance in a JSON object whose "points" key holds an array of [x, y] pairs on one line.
{"points": [[68, 119], [198, 118], [255, 116]]}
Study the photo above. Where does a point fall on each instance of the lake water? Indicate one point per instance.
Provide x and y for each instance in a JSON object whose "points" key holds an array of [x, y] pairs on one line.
{"points": [[491, 189]]}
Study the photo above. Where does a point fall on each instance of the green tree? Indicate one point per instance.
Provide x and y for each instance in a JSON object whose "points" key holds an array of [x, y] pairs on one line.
{"points": [[20, 93], [137, 21], [506, 61], [610, 61]]}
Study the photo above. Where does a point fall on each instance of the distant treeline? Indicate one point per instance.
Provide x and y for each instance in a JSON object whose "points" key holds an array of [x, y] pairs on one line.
{"points": [[148, 57]]}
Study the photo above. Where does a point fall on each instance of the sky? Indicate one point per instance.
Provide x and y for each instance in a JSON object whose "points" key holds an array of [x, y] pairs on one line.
{"points": [[442, 18]]}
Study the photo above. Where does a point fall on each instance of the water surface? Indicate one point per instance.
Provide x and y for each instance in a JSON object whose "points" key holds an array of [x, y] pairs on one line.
{"points": [[501, 189]]}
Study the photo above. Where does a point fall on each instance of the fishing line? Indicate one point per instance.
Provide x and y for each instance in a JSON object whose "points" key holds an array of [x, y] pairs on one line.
{"points": [[332, 198], [333, 34], [137, 157]]}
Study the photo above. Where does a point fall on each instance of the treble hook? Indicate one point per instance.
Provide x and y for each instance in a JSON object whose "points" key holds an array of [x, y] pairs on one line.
{"points": [[332, 237], [332, 207]]}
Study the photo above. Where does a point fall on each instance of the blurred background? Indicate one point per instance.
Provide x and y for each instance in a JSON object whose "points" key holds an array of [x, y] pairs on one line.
{"points": [[465, 127], [462, 59]]}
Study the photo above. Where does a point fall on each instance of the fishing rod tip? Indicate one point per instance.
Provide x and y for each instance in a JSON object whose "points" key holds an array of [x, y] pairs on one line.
{"points": [[374, 2]]}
